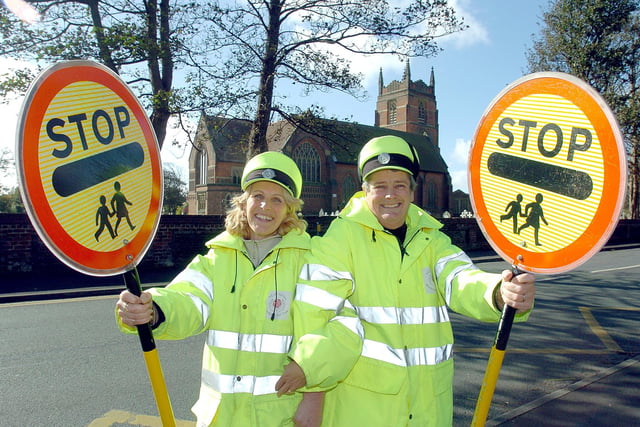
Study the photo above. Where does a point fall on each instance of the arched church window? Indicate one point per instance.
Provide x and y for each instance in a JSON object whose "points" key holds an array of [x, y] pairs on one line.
{"points": [[308, 160], [422, 116], [392, 112], [201, 167], [432, 196], [236, 175], [348, 187], [226, 201]]}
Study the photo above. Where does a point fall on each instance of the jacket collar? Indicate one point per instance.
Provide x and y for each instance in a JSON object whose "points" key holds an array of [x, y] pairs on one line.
{"points": [[292, 239]]}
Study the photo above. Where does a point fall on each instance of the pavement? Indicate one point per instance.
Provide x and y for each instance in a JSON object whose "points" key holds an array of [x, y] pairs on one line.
{"points": [[607, 398]]}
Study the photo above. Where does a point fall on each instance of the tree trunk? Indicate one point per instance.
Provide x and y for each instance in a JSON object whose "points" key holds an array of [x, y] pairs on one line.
{"points": [[160, 66], [258, 135]]}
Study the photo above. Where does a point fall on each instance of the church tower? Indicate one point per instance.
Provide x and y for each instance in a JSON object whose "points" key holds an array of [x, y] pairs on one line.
{"points": [[408, 106]]}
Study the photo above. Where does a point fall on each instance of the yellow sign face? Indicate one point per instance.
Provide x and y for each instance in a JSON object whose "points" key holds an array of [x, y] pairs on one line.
{"points": [[75, 171], [90, 168], [547, 172]]}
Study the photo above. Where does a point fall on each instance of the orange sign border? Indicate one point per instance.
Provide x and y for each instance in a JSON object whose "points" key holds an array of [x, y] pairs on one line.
{"points": [[38, 98], [606, 127]]}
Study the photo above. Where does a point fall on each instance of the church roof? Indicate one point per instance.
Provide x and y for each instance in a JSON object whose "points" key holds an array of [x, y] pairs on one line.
{"points": [[228, 137], [346, 138]]}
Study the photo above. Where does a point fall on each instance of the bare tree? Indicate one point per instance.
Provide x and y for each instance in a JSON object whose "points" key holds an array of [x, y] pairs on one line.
{"points": [[597, 41], [141, 41], [307, 43], [234, 53]]}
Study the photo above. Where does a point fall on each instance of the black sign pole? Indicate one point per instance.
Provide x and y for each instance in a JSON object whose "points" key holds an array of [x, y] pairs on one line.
{"points": [[132, 282]]}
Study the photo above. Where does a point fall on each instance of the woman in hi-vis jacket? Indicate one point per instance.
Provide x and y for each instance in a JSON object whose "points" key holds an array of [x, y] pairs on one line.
{"points": [[240, 295]]}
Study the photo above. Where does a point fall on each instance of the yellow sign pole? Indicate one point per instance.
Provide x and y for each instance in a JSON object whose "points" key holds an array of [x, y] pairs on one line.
{"points": [[132, 281], [493, 367]]}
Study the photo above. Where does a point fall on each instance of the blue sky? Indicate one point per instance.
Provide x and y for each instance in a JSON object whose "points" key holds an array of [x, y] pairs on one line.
{"points": [[473, 68], [471, 71]]}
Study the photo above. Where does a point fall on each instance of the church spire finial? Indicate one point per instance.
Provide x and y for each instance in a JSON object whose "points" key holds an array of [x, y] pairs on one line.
{"points": [[432, 79], [407, 72], [380, 83]]}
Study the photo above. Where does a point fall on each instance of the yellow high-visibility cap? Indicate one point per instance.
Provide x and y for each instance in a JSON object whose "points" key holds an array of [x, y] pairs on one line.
{"points": [[388, 152], [275, 167]]}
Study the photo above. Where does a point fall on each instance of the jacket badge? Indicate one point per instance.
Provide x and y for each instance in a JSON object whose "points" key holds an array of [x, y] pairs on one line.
{"points": [[278, 305]]}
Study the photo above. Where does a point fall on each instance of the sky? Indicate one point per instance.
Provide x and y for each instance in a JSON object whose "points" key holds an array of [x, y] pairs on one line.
{"points": [[473, 68]]}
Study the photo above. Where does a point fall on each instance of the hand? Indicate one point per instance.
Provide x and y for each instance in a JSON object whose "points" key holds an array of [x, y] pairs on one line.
{"points": [[134, 310], [292, 379], [309, 413], [518, 292]]}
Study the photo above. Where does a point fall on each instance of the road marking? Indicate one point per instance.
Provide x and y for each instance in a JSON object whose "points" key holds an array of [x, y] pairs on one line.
{"points": [[552, 277], [557, 394], [459, 350], [120, 418], [59, 301], [616, 268], [599, 330]]}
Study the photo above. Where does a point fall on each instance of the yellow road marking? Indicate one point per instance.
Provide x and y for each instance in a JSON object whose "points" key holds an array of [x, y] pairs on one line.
{"points": [[598, 330], [115, 417]]}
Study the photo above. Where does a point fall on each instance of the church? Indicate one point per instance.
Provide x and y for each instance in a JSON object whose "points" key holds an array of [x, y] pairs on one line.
{"points": [[326, 152]]}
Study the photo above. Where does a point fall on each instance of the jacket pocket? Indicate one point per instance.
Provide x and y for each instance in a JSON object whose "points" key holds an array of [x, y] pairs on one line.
{"points": [[376, 376]]}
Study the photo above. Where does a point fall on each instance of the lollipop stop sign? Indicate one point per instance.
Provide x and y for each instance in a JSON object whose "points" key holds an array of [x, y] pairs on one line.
{"points": [[90, 174], [89, 168], [547, 175], [547, 172]]}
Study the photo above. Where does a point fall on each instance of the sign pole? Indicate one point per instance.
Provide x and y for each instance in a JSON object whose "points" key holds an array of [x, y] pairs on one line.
{"points": [[494, 363], [152, 360], [493, 367]]}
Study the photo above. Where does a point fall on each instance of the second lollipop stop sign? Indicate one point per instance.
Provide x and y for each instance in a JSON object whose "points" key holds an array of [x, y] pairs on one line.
{"points": [[547, 172]]}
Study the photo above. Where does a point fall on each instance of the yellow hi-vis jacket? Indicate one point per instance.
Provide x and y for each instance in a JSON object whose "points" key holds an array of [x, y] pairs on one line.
{"points": [[245, 312], [389, 348]]}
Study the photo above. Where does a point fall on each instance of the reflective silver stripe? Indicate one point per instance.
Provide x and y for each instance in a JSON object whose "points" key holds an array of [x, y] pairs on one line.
{"points": [[403, 315], [459, 256], [198, 279], [410, 357], [239, 383], [202, 307], [351, 323], [318, 297], [428, 356], [380, 351], [263, 343], [449, 281], [322, 272], [441, 264]]}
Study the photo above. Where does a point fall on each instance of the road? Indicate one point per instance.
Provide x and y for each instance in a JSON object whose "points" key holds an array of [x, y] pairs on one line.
{"points": [[64, 363]]}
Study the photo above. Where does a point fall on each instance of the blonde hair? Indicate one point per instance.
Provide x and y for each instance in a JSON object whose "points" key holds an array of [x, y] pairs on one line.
{"points": [[236, 222]]}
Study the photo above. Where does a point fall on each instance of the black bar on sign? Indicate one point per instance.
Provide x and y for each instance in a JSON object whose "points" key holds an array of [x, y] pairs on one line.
{"points": [[74, 177], [566, 182]]}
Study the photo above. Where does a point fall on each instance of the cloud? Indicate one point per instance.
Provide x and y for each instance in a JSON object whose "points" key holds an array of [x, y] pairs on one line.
{"points": [[369, 65], [459, 180], [476, 34], [458, 161]]}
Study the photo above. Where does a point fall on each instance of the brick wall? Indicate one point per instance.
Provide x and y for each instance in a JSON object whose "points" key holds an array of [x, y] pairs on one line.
{"points": [[180, 237]]}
